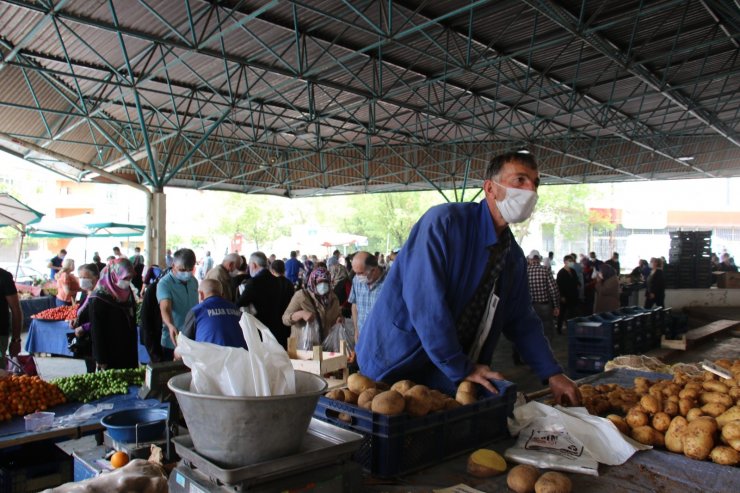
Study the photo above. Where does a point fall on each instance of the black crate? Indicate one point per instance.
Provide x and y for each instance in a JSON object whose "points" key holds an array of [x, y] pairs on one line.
{"points": [[34, 467], [395, 445]]}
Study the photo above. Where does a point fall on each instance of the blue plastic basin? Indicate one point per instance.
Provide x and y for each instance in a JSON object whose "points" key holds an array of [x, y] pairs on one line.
{"points": [[136, 425]]}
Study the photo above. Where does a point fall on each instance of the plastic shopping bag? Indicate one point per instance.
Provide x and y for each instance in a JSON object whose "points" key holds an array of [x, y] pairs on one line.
{"points": [[337, 334], [310, 336], [264, 370]]}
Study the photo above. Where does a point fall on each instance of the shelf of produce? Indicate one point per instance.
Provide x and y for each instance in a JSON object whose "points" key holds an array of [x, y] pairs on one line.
{"points": [[13, 432]]}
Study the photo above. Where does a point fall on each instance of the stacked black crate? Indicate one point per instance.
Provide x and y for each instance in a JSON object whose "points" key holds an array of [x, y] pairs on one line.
{"points": [[690, 259]]}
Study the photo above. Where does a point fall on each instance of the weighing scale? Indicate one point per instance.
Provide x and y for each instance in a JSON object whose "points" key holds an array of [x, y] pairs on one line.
{"points": [[322, 464]]}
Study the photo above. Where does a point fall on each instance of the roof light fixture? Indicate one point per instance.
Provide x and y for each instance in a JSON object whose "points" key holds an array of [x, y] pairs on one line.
{"points": [[686, 158]]}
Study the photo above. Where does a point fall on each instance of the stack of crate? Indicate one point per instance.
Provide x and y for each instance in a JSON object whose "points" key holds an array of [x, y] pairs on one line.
{"points": [[596, 339], [691, 254]]}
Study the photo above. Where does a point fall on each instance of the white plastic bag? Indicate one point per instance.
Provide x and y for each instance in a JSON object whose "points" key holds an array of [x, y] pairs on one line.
{"points": [[337, 334], [567, 439], [264, 370], [310, 336]]}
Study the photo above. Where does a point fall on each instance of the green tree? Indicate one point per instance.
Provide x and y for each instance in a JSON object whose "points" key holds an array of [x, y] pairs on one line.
{"points": [[258, 218]]}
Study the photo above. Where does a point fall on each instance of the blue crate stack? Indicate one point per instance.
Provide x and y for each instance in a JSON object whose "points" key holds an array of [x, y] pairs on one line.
{"points": [[596, 339]]}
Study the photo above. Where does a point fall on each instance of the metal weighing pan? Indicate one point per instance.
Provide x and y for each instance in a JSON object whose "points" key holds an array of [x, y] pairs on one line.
{"points": [[323, 444]]}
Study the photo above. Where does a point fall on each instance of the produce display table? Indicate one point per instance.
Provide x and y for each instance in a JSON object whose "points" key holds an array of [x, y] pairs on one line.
{"points": [[50, 337], [34, 306], [14, 432]]}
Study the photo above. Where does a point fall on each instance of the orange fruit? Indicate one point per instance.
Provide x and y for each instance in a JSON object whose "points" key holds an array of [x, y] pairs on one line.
{"points": [[119, 459]]}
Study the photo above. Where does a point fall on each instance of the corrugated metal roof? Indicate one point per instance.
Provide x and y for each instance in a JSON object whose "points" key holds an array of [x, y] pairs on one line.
{"points": [[617, 90]]}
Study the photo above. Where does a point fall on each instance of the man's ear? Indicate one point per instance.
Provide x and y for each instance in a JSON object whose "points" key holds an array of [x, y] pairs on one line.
{"points": [[490, 189]]}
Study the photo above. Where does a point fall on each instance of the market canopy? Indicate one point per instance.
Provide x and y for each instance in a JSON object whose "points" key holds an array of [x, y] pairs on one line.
{"points": [[16, 214], [50, 227], [305, 98]]}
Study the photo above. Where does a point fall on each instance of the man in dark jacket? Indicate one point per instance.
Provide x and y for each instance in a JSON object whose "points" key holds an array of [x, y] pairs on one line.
{"points": [[264, 292], [568, 286]]}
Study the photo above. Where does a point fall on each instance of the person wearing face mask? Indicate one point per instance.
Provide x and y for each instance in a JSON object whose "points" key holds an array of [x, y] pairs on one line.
{"points": [[267, 295], [568, 286], [111, 309], [177, 293], [366, 287], [458, 284], [315, 302], [225, 273], [88, 275]]}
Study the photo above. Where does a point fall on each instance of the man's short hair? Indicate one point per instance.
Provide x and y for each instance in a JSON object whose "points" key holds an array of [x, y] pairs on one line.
{"points": [[63, 251], [568, 257], [498, 162], [258, 258], [370, 259], [91, 269], [278, 267], [293, 254], [211, 286], [233, 257], [137, 249], [185, 258], [615, 255]]}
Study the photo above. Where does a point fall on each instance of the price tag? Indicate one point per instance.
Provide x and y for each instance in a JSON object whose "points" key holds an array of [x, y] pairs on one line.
{"points": [[717, 370]]}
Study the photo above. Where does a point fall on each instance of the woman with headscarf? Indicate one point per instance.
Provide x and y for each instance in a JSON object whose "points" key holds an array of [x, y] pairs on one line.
{"points": [[67, 284], [112, 314], [315, 302], [607, 288]]}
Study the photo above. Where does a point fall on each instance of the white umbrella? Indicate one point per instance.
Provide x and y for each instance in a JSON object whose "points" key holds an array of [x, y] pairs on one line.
{"points": [[50, 227], [17, 215]]}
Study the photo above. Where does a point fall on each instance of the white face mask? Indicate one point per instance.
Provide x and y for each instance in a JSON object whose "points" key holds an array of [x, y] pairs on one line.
{"points": [[322, 288], [86, 284], [518, 204], [124, 284]]}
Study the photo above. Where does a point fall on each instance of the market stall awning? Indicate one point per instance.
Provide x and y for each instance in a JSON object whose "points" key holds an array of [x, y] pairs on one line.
{"points": [[104, 227], [50, 227], [15, 213]]}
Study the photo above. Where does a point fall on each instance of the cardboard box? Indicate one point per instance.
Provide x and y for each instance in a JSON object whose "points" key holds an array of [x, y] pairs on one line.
{"points": [[728, 280]]}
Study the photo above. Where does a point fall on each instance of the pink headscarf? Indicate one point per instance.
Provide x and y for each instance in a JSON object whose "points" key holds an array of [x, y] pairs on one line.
{"points": [[116, 270]]}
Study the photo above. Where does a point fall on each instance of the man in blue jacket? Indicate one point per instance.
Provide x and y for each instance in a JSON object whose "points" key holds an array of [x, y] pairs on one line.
{"points": [[460, 282], [215, 319]]}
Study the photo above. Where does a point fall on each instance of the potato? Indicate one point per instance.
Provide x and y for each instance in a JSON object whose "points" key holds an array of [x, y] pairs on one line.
{"points": [[335, 394], [648, 435], [521, 478], [717, 397], [673, 436], [731, 431], [714, 386], [437, 400], [642, 382], [382, 386], [661, 422], [365, 399], [685, 405], [484, 463], [465, 398], [418, 400], [553, 482], [451, 403], [651, 403], [697, 443], [349, 396], [692, 394], [389, 403], [469, 387], [359, 383], [402, 386], [706, 423], [727, 456], [636, 418], [620, 423], [713, 409], [671, 389], [734, 393], [344, 417], [694, 413], [670, 407], [708, 375], [730, 415]]}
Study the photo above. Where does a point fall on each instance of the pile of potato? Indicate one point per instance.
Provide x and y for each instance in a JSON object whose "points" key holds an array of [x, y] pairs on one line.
{"points": [[697, 416], [402, 396]]}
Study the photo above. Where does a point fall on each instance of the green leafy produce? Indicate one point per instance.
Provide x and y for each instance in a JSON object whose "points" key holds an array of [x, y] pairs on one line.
{"points": [[92, 386]]}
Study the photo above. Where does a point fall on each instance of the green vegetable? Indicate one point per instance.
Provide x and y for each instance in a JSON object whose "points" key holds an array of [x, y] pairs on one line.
{"points": [[92, 386]]}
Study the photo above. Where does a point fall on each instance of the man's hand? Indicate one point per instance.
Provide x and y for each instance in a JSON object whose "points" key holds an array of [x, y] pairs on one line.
{"points": [[564, 390], [482, 374], [173, 334]]}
